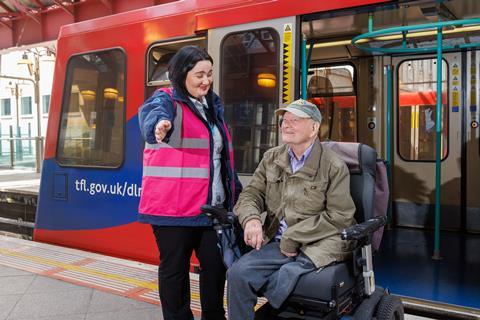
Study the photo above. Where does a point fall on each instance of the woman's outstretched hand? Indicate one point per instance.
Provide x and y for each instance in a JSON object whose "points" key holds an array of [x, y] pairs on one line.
{"points": [[161, 129]]}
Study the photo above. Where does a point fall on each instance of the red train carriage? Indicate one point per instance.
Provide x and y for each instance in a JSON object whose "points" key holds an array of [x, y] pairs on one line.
{"points": [[106, 68]]}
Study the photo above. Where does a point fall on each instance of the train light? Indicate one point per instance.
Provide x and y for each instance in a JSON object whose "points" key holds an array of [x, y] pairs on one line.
{"points": [[88, 95], [110, 93], [266, 80]]}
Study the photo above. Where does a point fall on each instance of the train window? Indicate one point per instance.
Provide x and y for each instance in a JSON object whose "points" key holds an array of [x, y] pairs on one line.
{"points": [[249, 89], [26, 105], [5, 107], [332, 89], [417, 81], [93, 111], [159, 55]]}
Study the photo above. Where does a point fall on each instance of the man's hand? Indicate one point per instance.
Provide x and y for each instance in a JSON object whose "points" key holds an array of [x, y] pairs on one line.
{"points": [[289, 254], [253, 233], [161, 129]]}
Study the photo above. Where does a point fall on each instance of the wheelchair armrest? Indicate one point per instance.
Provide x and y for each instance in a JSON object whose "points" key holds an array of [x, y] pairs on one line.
{"points": [[220, 213], [362, 230]]}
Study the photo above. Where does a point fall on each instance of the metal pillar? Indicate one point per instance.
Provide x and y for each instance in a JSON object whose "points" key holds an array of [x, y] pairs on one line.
{"points": [[388, 156], [438, 148], [38, 140], [304, 67]]}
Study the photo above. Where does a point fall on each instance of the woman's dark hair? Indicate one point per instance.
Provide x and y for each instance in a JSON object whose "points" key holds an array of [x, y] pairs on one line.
{"points": [[182, 62]]}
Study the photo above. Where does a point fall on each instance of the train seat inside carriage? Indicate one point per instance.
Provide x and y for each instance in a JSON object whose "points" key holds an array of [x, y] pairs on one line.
{"points": [[319, 86]]}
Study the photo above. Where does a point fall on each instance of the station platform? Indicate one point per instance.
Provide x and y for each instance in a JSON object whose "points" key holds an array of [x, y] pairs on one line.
{"points": [[20, 181], [42, 281]]}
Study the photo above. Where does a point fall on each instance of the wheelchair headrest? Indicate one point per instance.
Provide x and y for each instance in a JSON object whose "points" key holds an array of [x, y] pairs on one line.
{"points": [[361, 161], [358, 156]]}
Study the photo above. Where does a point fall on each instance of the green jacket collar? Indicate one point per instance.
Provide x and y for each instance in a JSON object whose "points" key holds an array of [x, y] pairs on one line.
{"points": [[312, 164]]}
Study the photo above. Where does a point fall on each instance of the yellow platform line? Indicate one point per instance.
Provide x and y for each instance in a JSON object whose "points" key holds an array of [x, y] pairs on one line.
{"points": [[81, 269], [195, 295]]}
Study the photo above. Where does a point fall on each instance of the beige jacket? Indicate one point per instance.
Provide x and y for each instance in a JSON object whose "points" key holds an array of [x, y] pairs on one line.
{"points": [[315, 202]]}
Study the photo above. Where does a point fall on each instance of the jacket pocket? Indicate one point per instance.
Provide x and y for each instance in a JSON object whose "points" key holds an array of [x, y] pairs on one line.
{"points": [[273, 194], [311, 197]]}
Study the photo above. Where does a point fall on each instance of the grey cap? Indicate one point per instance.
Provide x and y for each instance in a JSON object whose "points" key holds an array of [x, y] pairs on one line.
{"points": [[303, 109]]}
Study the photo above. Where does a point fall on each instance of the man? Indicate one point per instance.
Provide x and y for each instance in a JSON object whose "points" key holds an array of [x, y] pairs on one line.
{"points": [[304, 189]]}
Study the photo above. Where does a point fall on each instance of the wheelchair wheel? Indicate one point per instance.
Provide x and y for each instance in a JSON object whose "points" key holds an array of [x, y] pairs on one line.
{"points": [[390, 308]]}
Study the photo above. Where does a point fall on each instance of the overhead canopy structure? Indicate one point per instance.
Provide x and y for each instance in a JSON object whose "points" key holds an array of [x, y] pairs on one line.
{"points": [[24, 22]]}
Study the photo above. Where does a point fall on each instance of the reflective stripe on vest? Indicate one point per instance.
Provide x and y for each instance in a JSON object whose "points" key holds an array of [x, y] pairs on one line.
{"points": [[191, 143], [175, 172]]}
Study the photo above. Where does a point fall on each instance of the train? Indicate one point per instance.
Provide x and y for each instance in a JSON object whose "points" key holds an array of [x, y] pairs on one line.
{"points": [[106, 67]]}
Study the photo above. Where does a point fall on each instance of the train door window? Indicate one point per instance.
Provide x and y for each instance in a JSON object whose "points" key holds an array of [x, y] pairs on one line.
{"points": [[93, 111], [417, 81], [159, 55], [332, 89], [249, 90]]}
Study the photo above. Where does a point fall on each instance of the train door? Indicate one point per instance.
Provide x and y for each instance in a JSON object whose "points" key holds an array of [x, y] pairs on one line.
{"points": [[414, 141], [472, 143], [254, 74]]}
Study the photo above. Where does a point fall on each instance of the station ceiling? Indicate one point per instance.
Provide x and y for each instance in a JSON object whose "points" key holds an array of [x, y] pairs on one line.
{"points": [[24, 22]]}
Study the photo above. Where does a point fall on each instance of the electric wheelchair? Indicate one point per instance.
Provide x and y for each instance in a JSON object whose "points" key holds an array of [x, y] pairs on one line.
{"points": [[345, 289]]}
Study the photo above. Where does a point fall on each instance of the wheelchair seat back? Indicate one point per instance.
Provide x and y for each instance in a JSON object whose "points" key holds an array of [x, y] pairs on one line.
{"points": [[361, 162], [368, 182]]}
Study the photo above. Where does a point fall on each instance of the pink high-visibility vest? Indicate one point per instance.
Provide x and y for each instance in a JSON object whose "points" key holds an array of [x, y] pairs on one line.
{"points": [[176, 175]]}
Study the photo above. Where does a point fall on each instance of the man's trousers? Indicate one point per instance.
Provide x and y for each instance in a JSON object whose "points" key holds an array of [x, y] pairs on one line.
{"points": [[265, 272]]}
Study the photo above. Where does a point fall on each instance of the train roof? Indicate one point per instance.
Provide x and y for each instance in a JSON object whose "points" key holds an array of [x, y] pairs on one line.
{"points": [[207, 14]]}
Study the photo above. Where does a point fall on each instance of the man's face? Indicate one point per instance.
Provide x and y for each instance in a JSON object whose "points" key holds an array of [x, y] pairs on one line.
{"points": [[296, 130]]}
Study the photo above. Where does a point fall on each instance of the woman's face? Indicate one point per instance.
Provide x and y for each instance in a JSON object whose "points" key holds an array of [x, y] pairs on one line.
{"points": [[199, 79]]}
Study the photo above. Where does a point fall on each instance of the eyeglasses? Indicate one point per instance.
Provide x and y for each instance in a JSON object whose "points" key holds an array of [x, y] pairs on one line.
{"points": [[291, 121]]}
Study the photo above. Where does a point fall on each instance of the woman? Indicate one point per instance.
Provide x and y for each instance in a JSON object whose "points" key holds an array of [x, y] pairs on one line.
{"points": [[188, 162]]}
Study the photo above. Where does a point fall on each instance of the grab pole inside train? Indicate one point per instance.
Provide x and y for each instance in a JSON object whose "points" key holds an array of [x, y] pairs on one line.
{"points": [[404, 33], [388, 153], [438, 148], [304, 67], [305, 57]]}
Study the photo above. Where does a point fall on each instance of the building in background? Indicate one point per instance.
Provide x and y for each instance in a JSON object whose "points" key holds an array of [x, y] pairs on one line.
{"points": [[22, 72]]}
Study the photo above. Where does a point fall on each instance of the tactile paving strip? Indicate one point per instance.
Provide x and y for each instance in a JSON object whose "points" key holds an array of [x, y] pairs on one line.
{"points": [[80, 268]]}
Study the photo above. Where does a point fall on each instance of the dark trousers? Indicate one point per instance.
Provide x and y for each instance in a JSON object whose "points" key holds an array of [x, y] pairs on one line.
{"points": [[176, 245], [267, 272]]}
